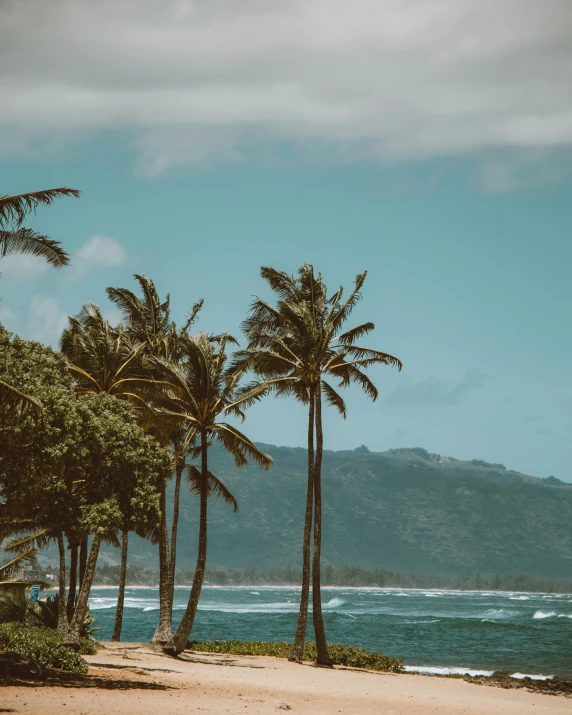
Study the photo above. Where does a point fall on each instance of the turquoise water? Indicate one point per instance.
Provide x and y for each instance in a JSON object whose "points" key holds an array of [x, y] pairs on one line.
{"points": [[443, 631]]}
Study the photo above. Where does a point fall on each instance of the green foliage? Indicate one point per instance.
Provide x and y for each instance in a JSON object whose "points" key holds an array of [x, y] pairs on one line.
{"points": [[339, 654], [83, 465], [43, 644], [13, 605]]}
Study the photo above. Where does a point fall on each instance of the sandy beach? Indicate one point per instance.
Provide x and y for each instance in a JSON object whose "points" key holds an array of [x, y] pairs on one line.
{"points": [[131, 679]]}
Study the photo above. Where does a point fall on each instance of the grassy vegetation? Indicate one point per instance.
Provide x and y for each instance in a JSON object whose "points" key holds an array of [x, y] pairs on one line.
{"points": [[339, 654], [45, 645]]}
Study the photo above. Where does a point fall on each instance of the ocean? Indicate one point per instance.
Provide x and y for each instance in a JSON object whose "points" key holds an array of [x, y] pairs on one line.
{"points": [[433, 631]]}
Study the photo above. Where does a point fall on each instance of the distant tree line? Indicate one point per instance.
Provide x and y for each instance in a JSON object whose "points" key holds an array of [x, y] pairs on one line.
{"points": [[344, 576]]}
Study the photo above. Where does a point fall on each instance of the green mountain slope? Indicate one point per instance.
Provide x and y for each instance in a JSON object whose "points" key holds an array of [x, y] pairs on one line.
{"points": [[404, 510]]}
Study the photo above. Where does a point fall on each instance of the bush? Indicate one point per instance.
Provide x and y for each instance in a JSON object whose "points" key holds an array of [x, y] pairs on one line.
{"points": [[340, 655], [43, 644]]}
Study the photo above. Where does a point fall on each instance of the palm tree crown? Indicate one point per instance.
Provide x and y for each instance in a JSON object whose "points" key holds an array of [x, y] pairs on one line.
{"points": [[14, 238]]}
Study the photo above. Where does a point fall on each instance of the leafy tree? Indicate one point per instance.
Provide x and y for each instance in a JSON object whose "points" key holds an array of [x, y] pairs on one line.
{"points": [[148, 323], [201, 390], [298, 345], [81, 468]]}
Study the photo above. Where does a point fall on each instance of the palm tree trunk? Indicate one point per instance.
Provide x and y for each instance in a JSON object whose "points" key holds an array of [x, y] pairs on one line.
{"points": [[322, 657], [174, 527], [73, 580], [164, 631], [186, 625], [121, 592], [297, 652], [73, 633], [62, 616], [82, 558]]}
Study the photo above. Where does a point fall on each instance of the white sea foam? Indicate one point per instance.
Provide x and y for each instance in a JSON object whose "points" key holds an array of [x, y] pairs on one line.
{"points": [[255, 593], [444, 670], [519, 598], [565, 615], [494, 613], [334, 603], [544, 614]]}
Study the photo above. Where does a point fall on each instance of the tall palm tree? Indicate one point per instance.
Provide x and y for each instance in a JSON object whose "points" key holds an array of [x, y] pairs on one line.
{"points": [[297, 346], [201, 390], [14, 238], [148, 322]]}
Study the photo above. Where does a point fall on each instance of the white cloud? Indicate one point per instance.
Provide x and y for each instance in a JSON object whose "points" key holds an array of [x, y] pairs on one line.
{"points": [[22, 268], [211, 80], [97, 252], [46, 320], [435, 392]]}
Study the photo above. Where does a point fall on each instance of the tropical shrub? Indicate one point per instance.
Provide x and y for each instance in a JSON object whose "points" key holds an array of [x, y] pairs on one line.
{"points": [[43, 644], [339, 654]]}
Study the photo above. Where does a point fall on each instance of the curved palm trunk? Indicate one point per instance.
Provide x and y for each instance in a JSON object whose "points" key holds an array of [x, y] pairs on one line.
{"points": [[73, 633], [164, 631], [62, 616], [73, 581], [121, 592], [322, 657], [186, 625], [297, 652]]}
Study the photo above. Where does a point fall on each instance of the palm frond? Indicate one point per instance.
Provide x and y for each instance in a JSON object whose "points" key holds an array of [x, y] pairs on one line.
{"points": [[13, 399], [14, 209], [8, 569], [333, 399], [25, 241], [215, 486]]}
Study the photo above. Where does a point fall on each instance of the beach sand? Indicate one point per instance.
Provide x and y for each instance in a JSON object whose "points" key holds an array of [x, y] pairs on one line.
{"points": [[131, 679]]}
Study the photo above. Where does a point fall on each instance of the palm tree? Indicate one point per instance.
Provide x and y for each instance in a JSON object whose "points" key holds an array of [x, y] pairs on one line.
{"points": [[199, 390], [148, 322], [102, 359], [14, 238], [295, 346]]}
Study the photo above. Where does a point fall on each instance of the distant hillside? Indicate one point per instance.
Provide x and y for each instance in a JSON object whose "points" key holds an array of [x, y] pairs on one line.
{"points": [[402, 510]]}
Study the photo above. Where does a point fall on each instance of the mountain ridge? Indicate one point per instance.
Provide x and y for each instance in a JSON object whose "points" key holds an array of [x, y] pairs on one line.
{"points": [[405, 510]]}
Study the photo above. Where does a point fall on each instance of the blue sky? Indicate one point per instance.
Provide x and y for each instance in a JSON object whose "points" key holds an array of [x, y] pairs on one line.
{"points": [[451, 188]]}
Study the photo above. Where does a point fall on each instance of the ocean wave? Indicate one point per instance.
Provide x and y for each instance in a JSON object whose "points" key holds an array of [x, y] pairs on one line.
{"points": [[444, 670], [544, 614], [519, 598], [494, 613], [334, 603], [255, 593], [452, 670]]}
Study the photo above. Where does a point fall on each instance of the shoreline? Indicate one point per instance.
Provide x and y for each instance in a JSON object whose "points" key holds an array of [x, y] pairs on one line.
{"points": [[127, 677]]}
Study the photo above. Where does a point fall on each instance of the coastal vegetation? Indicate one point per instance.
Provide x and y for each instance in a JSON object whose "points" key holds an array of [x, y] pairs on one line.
{"points": [[90, 436], [338, 654]]}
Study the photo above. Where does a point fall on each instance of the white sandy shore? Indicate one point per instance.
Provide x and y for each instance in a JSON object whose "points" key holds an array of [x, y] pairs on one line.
{"points": [[201, 682]]}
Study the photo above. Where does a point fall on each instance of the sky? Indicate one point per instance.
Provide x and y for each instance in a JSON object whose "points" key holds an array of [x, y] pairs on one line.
{"points": [[427, 141]]}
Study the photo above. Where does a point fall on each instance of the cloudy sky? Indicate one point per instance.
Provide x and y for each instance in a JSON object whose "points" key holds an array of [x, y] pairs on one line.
{"points": [[429, 141]]}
